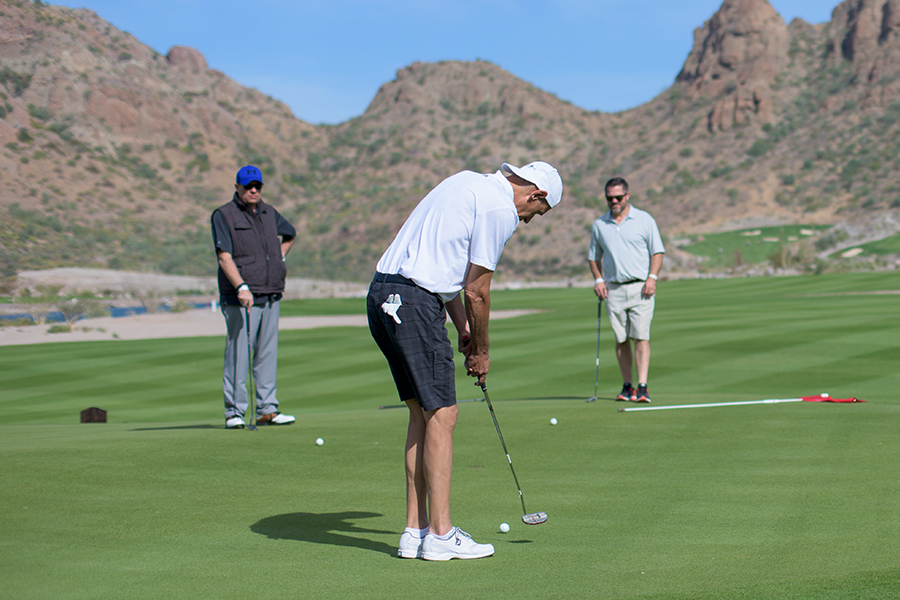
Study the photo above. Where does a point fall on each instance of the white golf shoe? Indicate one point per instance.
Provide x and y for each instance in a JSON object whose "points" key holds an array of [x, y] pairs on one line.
{"points": [[275, 418], [410, 546], [460, 545], [234, 422]]}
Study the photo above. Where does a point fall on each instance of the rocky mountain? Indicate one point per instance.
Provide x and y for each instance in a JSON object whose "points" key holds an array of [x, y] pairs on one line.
{"points": [[112, 155]]}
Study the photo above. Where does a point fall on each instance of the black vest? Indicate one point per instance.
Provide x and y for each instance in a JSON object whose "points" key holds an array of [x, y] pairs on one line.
{"points": [[256, 248]]}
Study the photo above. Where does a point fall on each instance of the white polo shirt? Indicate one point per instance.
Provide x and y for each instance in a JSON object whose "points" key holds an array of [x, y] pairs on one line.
{"points": [[625, 249], [467, 218]]}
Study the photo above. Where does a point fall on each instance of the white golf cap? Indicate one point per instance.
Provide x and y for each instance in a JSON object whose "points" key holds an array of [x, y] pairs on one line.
{"points": [[541, 174]]}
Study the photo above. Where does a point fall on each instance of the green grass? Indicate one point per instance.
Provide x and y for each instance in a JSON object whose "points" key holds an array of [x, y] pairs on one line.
{"points": [[767, 501], [888, 245], [719, 248], [323, 306]]}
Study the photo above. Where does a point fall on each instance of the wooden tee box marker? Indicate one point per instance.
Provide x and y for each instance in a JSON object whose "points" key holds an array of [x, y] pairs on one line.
{"points": [[93, 415]]}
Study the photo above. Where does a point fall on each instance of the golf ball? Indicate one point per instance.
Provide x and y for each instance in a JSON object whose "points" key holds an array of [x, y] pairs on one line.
{"points": [[504, 527], [319, 441], [553, 421]]}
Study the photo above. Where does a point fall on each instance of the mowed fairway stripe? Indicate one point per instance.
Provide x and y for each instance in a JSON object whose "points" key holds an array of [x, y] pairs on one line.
{"points": [[794, 501]]}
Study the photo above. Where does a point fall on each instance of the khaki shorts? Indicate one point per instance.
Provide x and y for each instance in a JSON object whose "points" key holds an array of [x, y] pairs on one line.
{"points": [[629, 313]]}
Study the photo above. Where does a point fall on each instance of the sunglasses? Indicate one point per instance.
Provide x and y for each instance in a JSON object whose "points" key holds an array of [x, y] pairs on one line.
{"points": [[616, 198], [254, 184]]}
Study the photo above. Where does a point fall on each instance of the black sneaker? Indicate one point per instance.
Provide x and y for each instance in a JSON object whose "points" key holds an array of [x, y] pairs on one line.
{"points": [[627, 394], [642, 394]]}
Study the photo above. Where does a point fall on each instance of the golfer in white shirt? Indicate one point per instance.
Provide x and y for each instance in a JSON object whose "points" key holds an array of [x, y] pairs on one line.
{"points": [[450, 243]]}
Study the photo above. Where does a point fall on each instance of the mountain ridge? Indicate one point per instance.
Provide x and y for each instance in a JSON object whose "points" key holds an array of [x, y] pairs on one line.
{"points": [[118, 154]]}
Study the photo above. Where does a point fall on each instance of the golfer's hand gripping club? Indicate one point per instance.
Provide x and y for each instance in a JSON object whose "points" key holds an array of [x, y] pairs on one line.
{"points": [[477, 365]]}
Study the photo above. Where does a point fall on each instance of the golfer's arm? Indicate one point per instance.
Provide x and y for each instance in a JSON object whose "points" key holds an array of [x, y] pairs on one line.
{"points": [[595, 269], [457, 313], [656, 262], [478, 306], [229, 268]]}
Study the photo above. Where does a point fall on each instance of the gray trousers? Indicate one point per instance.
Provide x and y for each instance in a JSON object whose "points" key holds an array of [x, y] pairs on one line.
{"points": [[264, 339]]}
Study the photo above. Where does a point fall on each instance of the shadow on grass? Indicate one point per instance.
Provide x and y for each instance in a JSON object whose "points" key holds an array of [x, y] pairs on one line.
{"points": [[594, 399], [180, 427], [504, 400], [325, 528], [549, 398]]}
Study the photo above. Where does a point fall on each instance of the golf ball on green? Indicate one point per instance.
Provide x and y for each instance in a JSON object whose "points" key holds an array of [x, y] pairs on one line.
{"points": [[553, 421], [319, 441], [504, 527]]}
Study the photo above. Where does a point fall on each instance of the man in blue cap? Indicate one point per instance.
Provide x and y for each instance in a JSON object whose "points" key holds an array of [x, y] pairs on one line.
{"points": [[252, 241]]}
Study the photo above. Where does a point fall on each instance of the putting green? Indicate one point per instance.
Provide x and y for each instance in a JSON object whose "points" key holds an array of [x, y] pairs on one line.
{"points": [[768, 501]]}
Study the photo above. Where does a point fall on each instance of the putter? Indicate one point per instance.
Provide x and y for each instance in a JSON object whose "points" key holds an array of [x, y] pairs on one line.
{"points": [[528, 518], [597, 372], [251, 393]]}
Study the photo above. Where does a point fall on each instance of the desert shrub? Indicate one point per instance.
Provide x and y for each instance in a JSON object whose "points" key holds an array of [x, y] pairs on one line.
{"points": [[18, 81], [74, 309], [831, 239], [760, 147], [39, 112], [721, 171], [850, 170], [180, 306]]}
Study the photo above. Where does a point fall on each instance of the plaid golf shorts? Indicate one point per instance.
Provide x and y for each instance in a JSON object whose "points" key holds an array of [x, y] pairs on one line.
{"points": [[409, 325]]}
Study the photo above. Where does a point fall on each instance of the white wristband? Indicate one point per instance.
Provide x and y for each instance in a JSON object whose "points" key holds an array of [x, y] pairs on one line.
{"points": [[653, 277], [243, 286], [598, 280]]}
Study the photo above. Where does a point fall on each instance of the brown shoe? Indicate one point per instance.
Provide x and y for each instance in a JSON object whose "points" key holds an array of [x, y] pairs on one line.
{"points": [[275, 418]]}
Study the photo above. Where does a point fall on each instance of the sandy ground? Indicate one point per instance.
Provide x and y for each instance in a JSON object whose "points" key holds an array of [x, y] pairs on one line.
{"points": [[194, 323], [137, 284]]}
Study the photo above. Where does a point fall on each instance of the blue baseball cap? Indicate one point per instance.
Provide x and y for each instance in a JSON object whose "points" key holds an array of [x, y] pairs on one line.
{"points": [[248, 174]]}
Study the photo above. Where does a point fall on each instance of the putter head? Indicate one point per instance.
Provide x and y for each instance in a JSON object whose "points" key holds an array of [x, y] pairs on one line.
{"points": [[534, 518], [591, 399], [251, 426]]}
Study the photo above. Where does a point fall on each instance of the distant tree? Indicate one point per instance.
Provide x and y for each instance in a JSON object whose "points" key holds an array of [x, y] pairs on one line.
{"points": [[40, 302]]}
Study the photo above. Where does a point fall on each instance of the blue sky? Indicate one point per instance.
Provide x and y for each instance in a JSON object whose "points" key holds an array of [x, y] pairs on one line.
{"points": [[326, 60]]}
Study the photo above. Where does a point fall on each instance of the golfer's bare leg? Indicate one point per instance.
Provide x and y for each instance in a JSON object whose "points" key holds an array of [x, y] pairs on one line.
{"points": [[416, 487], [439, 424], [642, 359], [623, 354]]}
